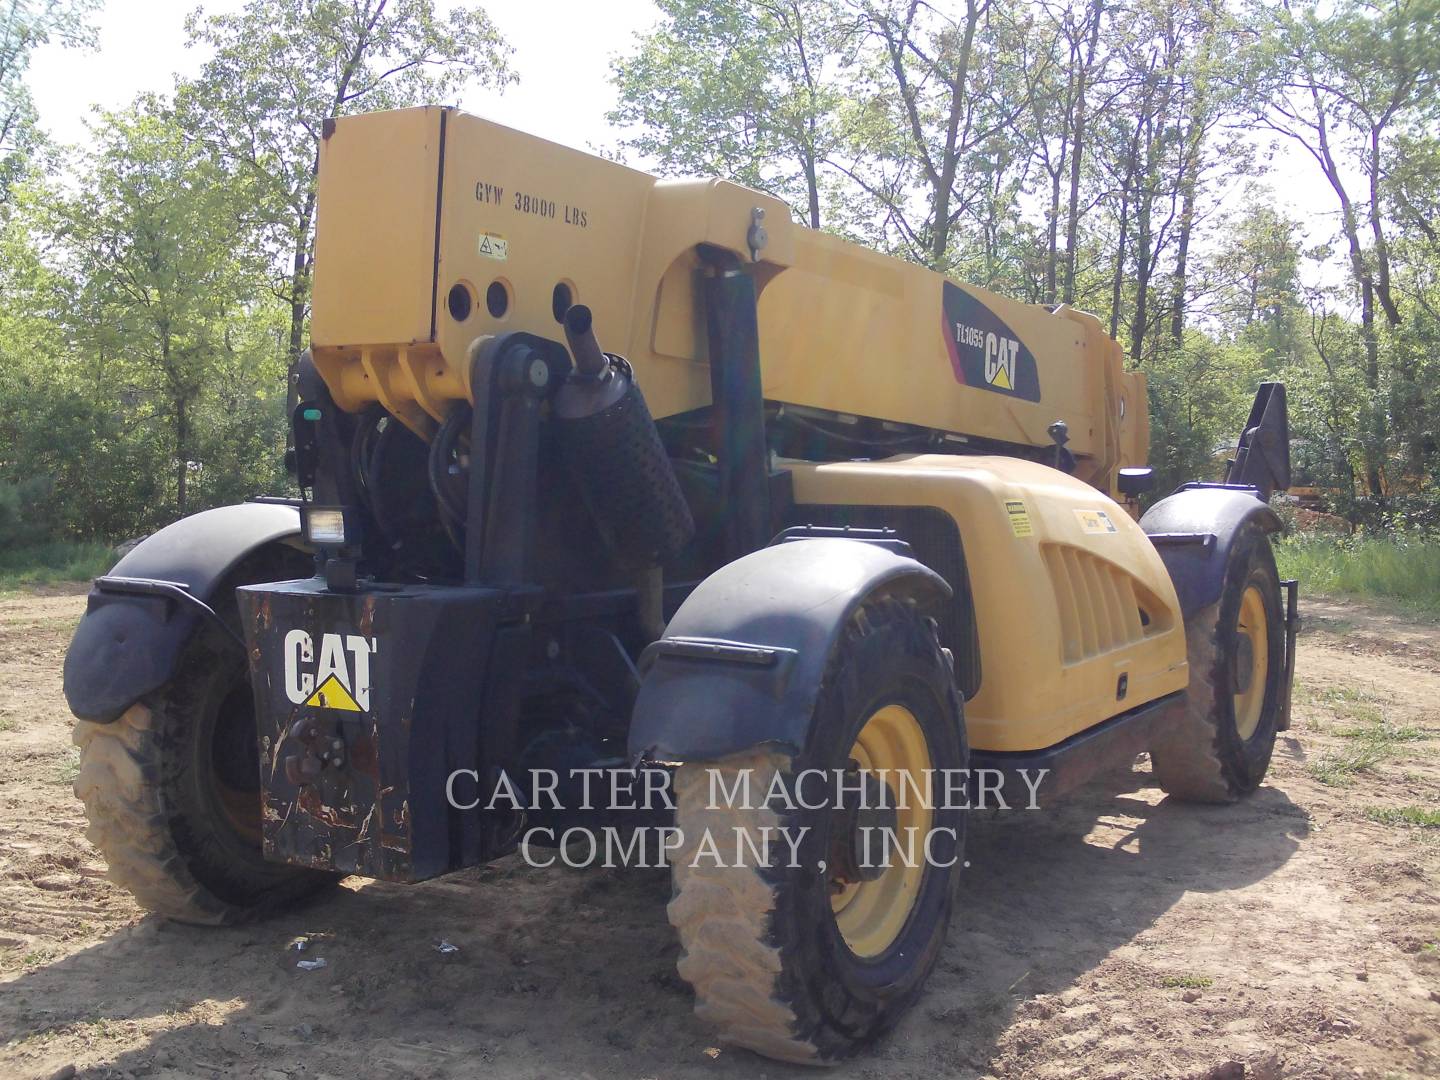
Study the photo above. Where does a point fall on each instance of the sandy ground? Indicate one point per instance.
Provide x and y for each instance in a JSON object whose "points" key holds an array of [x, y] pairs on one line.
{"points": [[1122, 936]]}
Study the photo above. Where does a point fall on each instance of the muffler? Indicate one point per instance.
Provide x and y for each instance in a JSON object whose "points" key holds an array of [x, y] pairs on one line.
{"points": [[609, 442]]}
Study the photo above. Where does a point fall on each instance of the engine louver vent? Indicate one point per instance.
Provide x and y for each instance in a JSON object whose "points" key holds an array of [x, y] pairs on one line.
{"points": [[1101, 607]]}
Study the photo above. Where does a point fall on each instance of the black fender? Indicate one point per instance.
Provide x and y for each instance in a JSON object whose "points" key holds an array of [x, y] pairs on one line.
{"points": [[128, 642], [742, 661], [1194, 530]]}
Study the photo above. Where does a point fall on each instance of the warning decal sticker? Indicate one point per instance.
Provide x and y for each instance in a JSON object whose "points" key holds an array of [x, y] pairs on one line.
{"points": [[1095, 522], [494, 246], [1019, 517], [984, 352]]}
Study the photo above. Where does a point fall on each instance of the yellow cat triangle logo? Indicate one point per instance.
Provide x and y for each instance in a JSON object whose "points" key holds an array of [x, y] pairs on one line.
{"points": [[1002, 378], [332, 694]]}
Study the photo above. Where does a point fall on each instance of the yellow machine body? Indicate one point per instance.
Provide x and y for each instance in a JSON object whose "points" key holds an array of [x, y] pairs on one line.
{"points": [[428, 214], [1077, 616], [843, 329]]}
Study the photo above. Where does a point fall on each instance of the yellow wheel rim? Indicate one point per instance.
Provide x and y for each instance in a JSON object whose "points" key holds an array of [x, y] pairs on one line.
{"points": [[1254, 625], [871, 914]]}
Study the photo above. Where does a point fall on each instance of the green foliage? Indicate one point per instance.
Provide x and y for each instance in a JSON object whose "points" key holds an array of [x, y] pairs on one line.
{"points": [[1365, 745], [26, 25], [174, 344], [1200, 395], [1419, 817], [54, 561], [742, 89], [1188, 981], [279, 68], [1397, 568], [153, 290], [24, 516]]}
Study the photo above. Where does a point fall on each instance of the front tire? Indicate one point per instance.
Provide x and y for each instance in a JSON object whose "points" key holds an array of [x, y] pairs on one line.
{"points": [[172, 794], [809, 963], [1215, 746]]}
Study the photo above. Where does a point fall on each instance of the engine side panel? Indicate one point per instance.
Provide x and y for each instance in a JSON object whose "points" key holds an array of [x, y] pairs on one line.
{"points": [[1078, 620]]}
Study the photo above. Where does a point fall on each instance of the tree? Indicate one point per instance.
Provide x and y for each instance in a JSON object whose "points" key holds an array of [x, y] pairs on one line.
{"points": [[1255, 279], [1067, 61], [280, 68], [931, 104], [1344, 82], [25, 25], [747, 89], [1414, 189], [164, 300]]}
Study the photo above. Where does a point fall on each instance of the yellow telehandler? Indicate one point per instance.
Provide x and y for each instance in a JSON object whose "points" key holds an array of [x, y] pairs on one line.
{"points": [[865, 524]]}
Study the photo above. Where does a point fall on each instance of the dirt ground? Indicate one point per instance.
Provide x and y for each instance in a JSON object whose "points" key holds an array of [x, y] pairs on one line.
{"points": [[1296, 934]]}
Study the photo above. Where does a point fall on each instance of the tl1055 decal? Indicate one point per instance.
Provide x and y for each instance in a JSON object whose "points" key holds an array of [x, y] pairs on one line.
{"points": [[984, 351]]}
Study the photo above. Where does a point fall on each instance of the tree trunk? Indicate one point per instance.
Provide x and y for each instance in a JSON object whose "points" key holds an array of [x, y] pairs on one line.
{"points": [[1190, 168], [1373, 442], [299, 298], [934, 241], [300, 269], [1374, 411], [812, 189], [1056, 170], [945, 184], [1382, 249], [1052, 254], [1117, 279], [1143, 200], [1077, 148], [1156, 108], [1144, 208], [1182, 255], [182, 456], [807, 140], [1127, 185]]}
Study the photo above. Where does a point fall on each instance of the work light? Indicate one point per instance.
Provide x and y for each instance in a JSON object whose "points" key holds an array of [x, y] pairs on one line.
{"points": [[324, 526]]}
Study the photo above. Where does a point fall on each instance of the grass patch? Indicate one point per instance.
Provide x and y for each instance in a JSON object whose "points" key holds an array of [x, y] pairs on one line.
{"points": [[1368, 736], [49, 564], [1338, 768], [68, 768], [1346, 702], [1402, 570], [1368, 746], [1415, 816], [42, 955], [1187, 982], [1383, 734]]}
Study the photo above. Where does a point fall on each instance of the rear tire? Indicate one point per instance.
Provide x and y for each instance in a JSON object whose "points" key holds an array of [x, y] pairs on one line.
{"points": [[764, 949], [1215, 746], [172, 793]]}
